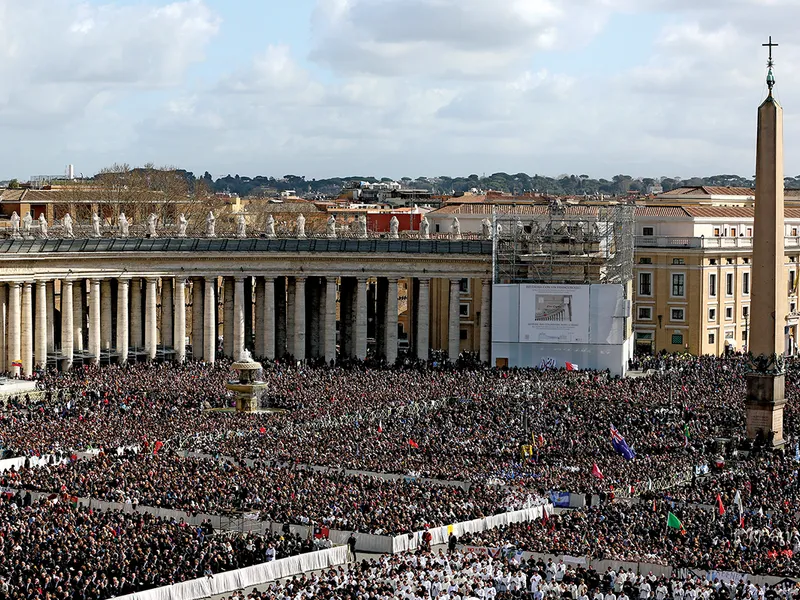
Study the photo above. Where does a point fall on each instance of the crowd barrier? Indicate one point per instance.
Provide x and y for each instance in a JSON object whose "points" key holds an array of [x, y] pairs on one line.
{"points": [[230, 581]]}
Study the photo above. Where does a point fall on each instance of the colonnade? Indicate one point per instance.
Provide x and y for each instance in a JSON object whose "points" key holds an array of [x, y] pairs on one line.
{"points": [[75, 320]]}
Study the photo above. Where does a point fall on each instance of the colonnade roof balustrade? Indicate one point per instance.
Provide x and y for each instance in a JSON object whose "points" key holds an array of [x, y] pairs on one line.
{"points": [[475, 246]]}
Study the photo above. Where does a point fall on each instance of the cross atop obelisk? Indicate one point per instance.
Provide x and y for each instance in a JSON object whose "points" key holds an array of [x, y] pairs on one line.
{"points": [[770, 64], [766, 376]]}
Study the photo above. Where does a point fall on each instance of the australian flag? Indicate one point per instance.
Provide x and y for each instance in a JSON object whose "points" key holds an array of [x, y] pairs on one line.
{"points": [[620, 445]]}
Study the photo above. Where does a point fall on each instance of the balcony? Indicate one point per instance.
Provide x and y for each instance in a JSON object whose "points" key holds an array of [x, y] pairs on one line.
{"points": [[709, 243]]}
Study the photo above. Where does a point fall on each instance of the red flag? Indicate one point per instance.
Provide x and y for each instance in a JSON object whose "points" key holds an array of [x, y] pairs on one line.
{"points": [[412, 443], [158, 447], [597, 472], [380, 426], [719, 505], [262, 430], [654, 505], [572, 367]]}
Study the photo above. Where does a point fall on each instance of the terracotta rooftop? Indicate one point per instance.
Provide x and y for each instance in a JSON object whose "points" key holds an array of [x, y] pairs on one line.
{"points": [[514, 209], [706, 190], [661, 211], [733, 212]]}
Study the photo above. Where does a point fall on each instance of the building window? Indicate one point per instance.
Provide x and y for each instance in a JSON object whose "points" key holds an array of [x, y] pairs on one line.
{"points": [[792, 307], [745, 311], [678, 285], [794, 231], [645, 284], [645, 260], [716, 231], [676, 314], [712, 261], [729, 313], [712, 314], [645, 313], [728, 261], [733, 231], [677, 339], [729, 335], [678, 261], [463, 310], [746, 261], [463, 285], [729, 284], [745, 283], [648, 231], [463, 334], [644, 335], [749, 232], [792, 283], [712, 338], [712, 285], [744, 336]]}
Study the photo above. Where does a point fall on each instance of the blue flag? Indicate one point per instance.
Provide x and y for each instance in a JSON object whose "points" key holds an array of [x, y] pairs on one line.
{"points": [[620, 445]]}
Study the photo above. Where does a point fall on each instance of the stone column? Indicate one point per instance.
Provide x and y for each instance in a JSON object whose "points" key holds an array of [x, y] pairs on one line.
{"points": [[4, 366], [281, 348], [314, 315], [258, 325], [210, 321], [486, 320], [361, 318], [67, 326], [27, 328], [197, 318], [151, 323], [454, 321], [137, 340], [238, 318], [123, 337], [423, 319], [227, 317], [41, 323], [14, 326], [391, 322], [291, 291], [330, 319], [94, 321], [381, 292], [179, 333], [106, 315], [51, 309], [300, 318], [77, 314], [267, 325], [247, 341], [167, 313]]}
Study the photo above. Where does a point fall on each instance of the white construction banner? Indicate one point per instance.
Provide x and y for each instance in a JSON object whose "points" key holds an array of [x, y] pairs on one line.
{"points": [[554, 314]]}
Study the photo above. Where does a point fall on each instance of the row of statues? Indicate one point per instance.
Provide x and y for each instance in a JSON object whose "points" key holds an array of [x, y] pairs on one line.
{"points": [[22, 228]]}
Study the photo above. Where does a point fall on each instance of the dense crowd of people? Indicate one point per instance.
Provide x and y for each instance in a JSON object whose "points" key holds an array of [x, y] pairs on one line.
{"points": [[512, 434], [468, 576], [298, 496], [53, 549]]}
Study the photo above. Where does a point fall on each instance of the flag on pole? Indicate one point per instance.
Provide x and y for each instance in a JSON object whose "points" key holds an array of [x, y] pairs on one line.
{"points": [[572, 367], [158, 447], [16, 363], [597, 472], [620, 445], [412, 443], [674, 522], [719, 505]]}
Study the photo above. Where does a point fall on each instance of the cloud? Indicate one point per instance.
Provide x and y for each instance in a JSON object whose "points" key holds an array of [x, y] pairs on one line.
{"points": [[58, 55], [454, 39]]}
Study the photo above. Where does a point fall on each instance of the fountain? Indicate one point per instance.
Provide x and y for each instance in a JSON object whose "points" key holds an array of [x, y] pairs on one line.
{"points": [[249, 384]]}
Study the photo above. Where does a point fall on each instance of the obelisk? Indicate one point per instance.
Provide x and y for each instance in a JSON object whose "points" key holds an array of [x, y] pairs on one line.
{"points": [[766, 376]]}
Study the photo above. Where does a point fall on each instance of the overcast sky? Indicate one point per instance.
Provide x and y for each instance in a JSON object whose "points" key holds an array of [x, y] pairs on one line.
{"points": [[393, 87]]}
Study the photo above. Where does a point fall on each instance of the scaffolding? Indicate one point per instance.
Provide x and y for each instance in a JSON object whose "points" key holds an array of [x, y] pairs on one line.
{"points": [[561, 243]]}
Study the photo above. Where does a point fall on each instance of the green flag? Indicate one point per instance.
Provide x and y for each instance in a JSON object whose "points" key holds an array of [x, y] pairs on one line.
{"points": [[686, 430], [674, 522]]}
